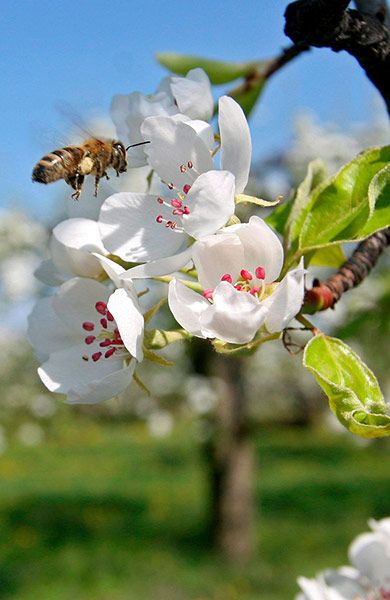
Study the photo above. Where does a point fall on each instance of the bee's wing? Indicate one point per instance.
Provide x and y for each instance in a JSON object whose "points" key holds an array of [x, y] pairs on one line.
{"points": [[81, 128], [47, 139]]}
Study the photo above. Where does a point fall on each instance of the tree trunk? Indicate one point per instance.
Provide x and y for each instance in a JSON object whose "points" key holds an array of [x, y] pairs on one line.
{"points": [[229, 456], [231, 463]]}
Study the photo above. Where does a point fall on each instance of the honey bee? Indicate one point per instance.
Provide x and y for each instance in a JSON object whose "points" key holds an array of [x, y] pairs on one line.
{"points": [[73, 163]]}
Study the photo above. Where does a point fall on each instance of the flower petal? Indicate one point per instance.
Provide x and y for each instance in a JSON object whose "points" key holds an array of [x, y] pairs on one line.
{"points": [[47, 332], [128, 227], [233, 317], [370, 554], [97, 391], [66, 370], [236, 145], [344, 584], [217, 255], [71, 245], [128, 113], [174, 144], [187, 306], [164, 266], [312, 590], [48, 274], [125, 309], [286, 301], [113, 270], [211, 202], [262, 247], [193, 94], [75, 301]]}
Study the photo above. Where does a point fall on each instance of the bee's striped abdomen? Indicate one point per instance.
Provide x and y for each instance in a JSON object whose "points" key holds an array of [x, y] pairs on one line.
{"points": [[58, 164]]}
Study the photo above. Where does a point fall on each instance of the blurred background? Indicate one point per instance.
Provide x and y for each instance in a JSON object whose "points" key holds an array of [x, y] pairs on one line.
{"points": [[115, 502]]}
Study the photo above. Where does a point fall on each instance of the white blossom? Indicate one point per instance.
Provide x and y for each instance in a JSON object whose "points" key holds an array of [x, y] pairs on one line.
{"points": [[189, 96], [89, 338], [199, 199], [237, 268], [368, 579]]}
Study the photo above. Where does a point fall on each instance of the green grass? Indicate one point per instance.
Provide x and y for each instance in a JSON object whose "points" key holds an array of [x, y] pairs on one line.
{"points": [[106, 513]]}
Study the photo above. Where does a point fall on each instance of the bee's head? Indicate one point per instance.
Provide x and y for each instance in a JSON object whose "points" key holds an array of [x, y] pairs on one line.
{"points": [[119, 156]]}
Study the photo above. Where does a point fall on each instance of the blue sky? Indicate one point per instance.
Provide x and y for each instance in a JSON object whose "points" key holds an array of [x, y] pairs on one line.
{"points": [[83, 52]]}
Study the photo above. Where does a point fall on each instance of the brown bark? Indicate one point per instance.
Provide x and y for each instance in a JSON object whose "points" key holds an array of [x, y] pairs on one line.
{"points": [[325, 294], [232, 463], [329, 24]]}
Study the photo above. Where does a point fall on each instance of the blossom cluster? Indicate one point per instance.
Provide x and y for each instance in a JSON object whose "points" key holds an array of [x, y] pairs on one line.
{"points": [[367, 579], [222, 274]]}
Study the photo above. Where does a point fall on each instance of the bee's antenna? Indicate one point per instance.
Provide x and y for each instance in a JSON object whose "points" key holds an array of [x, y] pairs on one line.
{"points": [[139, 144]]}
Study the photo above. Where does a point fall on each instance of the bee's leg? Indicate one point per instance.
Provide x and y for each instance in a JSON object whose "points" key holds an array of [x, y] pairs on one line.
{"points": [[76, 181], [97, 179]]}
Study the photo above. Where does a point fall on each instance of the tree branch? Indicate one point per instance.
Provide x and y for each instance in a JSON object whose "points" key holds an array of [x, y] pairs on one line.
{"points": [[264, 72], [376, 8], [325, 294], [327, 24]]}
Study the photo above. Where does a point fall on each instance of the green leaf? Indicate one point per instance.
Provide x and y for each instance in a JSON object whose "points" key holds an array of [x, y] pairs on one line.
{"points": [[218, 71], [339, 209], [158, 338], [247, 96], [352, 389], [316, 174], [288, 218], [380, 190], [240, 198], [330, 256], [278, 218]]}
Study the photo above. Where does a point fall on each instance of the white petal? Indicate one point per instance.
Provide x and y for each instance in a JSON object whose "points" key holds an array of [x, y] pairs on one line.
{"points": [[128, 113], [75, 301], [48, 274], [312, 589], [67, 373], [66, 369], [127, 314], [217, 255], [174, 144], [370, 554], [164, 266], [286, 301], [233, 317], [211, 202], [344, 584], [46, 331], [97, 391], [187, 306], [135, 179], [262, 247], [203, 129], [236, 145], [193, 94], [129, 229], [71, 245], [382, 526], [113, 270], [165, 86]]}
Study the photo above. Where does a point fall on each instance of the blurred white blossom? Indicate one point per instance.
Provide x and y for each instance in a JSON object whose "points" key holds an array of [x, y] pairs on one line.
{"points": [[160, 423], [30, 434]]}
